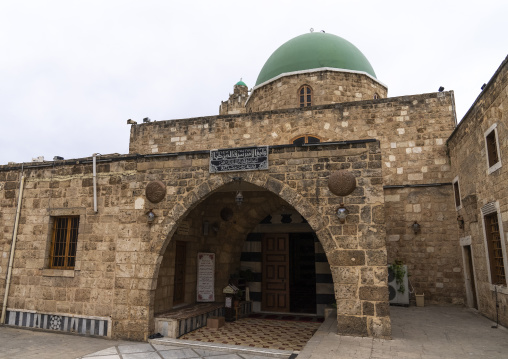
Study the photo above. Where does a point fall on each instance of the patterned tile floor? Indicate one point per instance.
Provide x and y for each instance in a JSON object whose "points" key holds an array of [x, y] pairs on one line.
{"points": [[259, 333]]}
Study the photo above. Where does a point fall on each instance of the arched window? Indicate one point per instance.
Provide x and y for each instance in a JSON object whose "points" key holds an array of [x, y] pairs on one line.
{"points": [[305, 93], [300, 140], [376, 96]]}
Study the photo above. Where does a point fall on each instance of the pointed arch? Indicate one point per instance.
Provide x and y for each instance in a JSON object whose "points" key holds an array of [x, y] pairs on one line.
{"points": [[260, 179]]}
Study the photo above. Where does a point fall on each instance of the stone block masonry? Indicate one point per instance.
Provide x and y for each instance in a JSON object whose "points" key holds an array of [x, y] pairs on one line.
{"points": [[118, 259], [481, 185], [412, 131]]}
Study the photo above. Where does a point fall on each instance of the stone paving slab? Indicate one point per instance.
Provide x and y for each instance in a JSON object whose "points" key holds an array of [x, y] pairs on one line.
{"points": [[34, 344], [418, 333]]}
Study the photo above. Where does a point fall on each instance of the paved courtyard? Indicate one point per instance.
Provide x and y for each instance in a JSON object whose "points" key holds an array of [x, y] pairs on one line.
{"points": [[423, 333]]}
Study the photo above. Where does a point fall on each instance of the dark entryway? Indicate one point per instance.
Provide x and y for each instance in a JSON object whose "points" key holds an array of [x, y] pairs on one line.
{"points": [[302, 273]]}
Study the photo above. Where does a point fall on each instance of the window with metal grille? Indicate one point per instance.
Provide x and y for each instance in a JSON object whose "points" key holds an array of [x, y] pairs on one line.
{"points": [[64, 242], [305, 93], [300, 140], [495, 250]]}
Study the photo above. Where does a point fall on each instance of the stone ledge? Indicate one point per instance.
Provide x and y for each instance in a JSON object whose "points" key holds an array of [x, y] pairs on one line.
{"points": [[69, 273]]}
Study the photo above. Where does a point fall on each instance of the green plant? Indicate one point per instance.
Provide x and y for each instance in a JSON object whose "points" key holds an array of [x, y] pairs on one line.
{"points": [[399, 272]]}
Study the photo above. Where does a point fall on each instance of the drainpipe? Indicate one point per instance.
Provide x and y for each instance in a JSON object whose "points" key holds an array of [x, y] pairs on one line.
{"points": [[13, 247], [95, 182]]}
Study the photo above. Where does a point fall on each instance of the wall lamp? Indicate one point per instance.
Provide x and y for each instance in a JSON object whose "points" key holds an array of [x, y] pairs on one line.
{"points": [[416, 227], [239, 194], [460, 221], [342, 213], [239, 198], [150, 216]]}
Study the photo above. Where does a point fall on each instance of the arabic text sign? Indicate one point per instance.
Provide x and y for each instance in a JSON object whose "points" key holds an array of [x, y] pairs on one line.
{"points": [[239, 159]]}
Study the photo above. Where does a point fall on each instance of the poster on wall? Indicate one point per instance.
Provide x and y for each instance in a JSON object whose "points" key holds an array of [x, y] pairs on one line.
{"points": [[206, 277]]}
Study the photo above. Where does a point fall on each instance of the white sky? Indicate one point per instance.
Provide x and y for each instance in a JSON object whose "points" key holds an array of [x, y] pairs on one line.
{"points": [[73, 72]]}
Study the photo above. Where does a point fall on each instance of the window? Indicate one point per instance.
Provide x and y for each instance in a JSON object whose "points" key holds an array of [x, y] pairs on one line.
{"points": [[456, 191], [305, 93], [63, 242], [495, 250], [376, 96], [492, 147], [300, 140]]}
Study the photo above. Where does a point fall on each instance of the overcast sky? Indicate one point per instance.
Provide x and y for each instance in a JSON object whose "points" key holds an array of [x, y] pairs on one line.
{"points": [[73, 72]]}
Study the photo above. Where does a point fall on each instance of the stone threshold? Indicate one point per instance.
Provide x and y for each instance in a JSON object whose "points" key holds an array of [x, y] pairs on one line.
{"points": [[273, 353]]}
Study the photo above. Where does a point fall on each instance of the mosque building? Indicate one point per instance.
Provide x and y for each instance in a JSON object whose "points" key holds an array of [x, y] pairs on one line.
{"points": [[303, 191]]}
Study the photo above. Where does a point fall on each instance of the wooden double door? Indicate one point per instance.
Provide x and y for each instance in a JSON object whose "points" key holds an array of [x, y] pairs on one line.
{"points": [[275, 277]]}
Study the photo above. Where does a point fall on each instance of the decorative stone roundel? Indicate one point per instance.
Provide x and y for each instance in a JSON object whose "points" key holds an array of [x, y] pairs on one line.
{"points": [[155, 191], [341, 183]]}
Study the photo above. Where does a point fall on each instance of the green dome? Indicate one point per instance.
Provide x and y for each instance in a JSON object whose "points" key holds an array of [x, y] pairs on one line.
{"points": [[312, 51], [240, 83]]}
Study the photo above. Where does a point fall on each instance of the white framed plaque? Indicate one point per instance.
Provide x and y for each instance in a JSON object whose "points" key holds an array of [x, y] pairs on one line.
{"points": [[206, 277]]}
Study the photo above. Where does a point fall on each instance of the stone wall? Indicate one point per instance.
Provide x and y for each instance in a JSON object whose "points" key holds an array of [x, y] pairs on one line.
{"points": [[328, 87], [119, 254], [432, 255], [480, 188], [412, 131]]}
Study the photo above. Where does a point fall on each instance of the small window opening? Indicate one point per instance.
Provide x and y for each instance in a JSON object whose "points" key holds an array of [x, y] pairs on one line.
{"points": [[376, 96], [457, 193], [305, 139], [492, 153], [305, 94]]}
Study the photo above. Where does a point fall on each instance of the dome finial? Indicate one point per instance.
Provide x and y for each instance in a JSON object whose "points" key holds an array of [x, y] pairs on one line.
{"points": [[241, 83], [311, 29]]}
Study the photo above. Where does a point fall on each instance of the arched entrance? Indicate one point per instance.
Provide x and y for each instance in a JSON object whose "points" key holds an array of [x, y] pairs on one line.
{"points": [[230, 231], [218, 224], [355, 247]]}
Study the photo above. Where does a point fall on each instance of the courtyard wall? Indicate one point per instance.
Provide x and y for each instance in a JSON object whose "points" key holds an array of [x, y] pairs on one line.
{"points": [[483, 190]]}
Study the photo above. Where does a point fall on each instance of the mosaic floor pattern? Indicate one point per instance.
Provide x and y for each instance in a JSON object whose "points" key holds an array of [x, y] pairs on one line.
{"points": [[259, 333]]}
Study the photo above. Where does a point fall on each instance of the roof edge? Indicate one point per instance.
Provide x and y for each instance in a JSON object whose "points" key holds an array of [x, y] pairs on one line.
{"points": [[480, 95]]}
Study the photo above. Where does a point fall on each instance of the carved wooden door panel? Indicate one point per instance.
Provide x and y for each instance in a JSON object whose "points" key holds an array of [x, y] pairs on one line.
{"points": [[275, 277], [179, 284]]}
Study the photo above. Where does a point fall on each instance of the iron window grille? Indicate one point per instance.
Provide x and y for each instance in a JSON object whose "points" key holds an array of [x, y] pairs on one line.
{"points": [[495, 250], [64, 241]]}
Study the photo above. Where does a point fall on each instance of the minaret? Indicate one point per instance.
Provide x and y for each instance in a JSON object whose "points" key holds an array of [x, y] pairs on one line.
{"points": [[236, 102]]}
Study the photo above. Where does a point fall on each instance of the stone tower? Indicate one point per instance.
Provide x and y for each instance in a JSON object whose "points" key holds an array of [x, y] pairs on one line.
{"points": [[236, 102]]}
